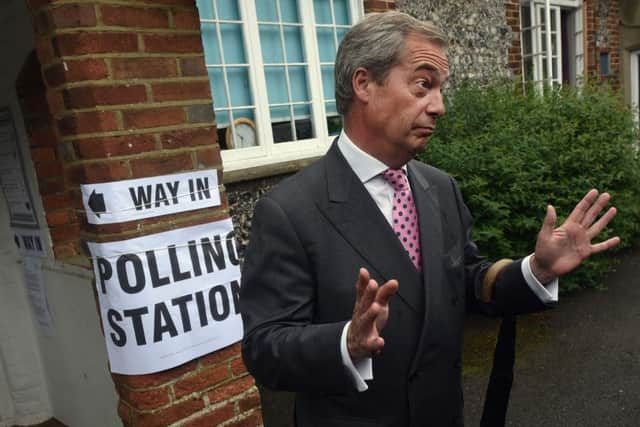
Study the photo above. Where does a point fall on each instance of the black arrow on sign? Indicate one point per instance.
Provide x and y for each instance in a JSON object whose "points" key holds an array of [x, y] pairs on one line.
{"points": [[96, 203]]}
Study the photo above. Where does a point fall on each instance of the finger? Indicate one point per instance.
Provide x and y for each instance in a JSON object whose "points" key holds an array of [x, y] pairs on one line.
{"points": [[603, 246], [549, 222], [595, 209], [583, 206], [604, 220], [368, 296], [361, 283], [386, 291]]}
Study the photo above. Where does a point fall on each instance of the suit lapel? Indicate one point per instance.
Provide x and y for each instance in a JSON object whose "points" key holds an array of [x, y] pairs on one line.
{"points": [[428, 206], [352, 211]]}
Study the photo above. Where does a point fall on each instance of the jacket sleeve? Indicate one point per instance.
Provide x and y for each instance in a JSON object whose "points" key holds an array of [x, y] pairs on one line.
{"points": [[282, 348]]}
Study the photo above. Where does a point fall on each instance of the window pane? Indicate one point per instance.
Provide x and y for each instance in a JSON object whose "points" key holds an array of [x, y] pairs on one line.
{"points": [[239, 86], [232, 43], [528, 69], [218, 93], [334, 123], [279, 114], [341, 11], [302, 111], [525, 16], [244, 129], [205, 9], [210, 44], [293, 44], [341, 33], [289, 10], [326, 45], [270, 44], [298, 80], [222, 119], [328, 90], [322, 9], [526, 42], [276, 85], [227, 9], [266, 10]]}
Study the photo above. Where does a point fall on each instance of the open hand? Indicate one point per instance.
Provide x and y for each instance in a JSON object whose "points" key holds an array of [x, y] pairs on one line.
{"points": [[369, 317], [560, 250]]}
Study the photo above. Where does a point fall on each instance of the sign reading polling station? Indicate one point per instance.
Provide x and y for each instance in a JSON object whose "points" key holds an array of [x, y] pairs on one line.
{"points": [[169, 297], [135, 199]]}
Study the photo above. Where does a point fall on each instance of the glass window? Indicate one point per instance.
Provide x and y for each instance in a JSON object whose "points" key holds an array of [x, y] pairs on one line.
{"points": [[270, 65]]}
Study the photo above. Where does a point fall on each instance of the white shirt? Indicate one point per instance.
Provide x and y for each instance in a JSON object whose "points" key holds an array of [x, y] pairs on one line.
{"points": [[369, 170]]}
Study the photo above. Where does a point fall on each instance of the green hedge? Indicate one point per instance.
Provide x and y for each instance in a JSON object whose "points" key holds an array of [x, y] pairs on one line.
{"points": [[513, 153]]}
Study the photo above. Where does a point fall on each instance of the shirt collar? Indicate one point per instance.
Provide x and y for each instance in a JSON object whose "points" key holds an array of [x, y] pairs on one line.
{"points": [[365, 166]]}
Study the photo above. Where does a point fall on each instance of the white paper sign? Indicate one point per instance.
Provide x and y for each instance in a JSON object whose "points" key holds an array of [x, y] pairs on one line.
{"points": [[135, 199], [168, 298], [34, 280]]}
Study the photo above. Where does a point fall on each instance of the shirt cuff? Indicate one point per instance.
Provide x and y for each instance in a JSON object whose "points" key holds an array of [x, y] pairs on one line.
{"points": [[547, 293], [360, 370]]}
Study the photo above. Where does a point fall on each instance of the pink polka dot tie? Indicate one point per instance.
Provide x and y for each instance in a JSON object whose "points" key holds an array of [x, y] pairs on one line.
{"points": [[405, 215]]}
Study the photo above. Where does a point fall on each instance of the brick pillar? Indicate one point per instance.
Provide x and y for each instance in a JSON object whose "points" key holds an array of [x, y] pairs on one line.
{"points": [[512, 8], [127, 96], [379, 5], [603, 36]]}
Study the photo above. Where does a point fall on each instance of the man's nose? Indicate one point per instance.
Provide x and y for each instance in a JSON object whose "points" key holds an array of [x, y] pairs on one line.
{"points": [[435, 106]]}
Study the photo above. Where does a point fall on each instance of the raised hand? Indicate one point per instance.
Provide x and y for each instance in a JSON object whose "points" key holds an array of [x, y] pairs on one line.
{"points": [[370, 315], [560, 250]]}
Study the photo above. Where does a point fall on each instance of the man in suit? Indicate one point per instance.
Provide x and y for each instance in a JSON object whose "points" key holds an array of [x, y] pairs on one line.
{"points": [[387, 351]]}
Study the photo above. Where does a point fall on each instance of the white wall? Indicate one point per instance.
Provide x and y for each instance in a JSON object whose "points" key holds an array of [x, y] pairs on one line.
{"points": [[63, 374]]}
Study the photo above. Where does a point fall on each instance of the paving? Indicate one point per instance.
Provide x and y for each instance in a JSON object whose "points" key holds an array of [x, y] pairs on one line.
{"points": [[577, 365]]}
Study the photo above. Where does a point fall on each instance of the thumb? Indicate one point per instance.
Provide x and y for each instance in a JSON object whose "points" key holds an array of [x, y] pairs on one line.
{"points": [[549, 221]]}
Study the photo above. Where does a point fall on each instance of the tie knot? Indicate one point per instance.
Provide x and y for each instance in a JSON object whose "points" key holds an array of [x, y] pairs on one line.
{"points": [[397, 178]]}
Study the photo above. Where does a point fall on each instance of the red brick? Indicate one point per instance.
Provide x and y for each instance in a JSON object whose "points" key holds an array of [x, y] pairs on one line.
{"points": [[180, 43], [74, 15], [65, 250], [48, 170], [189, 137], [88, 122], [37, 4], [209, 157], [76, 71], [238, 367], [222, 355], [92, 96], [145, 399], [106, 171], [43, 154], [213, 418], [97, 148], [42, 136], [124, 412], [201, 380], [56, 201], [252, 420], [176, 91], [123, 16], [249, 402], [193, 66], [153, 380], [170, 415], [230, 390], [55, 102], [186, 20], [154, 117], [65, 232], [152, 166], [60, 217], [132, 68], [83, 43], [171, 2], [51, 186]]}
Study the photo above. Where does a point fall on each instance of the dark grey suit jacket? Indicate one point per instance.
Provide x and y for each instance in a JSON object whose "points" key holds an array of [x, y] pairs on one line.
{"points": [[310, 235]]}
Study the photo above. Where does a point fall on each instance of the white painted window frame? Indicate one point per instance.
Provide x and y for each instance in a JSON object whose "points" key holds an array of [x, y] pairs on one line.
{"points": [[268, 152], [538, 41], [634, 65]]}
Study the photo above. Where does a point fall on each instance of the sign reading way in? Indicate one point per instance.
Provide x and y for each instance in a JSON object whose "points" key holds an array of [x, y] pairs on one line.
{"points": [[135, 199], [169, 297]]}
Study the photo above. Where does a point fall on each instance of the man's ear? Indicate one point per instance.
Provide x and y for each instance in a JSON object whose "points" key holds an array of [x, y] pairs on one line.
{"points": [[361, 82]]}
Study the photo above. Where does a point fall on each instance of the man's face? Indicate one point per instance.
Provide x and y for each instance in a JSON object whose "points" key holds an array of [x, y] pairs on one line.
{"points": [[402, 112]]}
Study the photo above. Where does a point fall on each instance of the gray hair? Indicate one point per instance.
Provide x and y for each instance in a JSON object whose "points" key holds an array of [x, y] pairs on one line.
{"points": [[377, 44]]}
